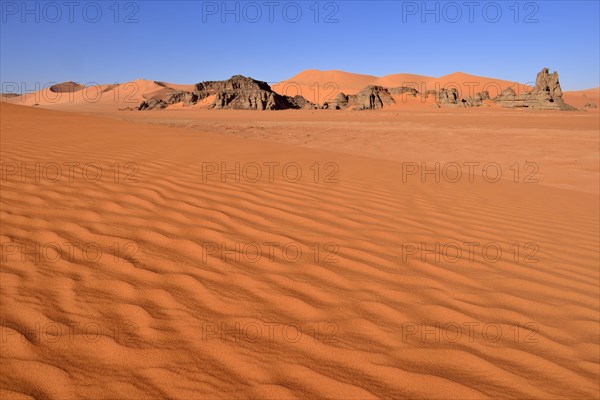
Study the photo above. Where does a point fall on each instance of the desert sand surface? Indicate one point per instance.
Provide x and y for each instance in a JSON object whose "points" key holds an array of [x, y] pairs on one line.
{"points": [[154, 271], [582, 97], [562, 145]]}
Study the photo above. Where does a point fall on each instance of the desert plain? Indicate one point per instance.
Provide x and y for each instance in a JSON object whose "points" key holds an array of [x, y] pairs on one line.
{"points": [[405, 252]]}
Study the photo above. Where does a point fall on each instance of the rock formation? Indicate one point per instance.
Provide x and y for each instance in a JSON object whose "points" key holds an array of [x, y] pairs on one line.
{"points": [[507, 94], [238, 92], [340, 102], [369, 98], [299, 102], [477, 100], [397, 91], [244, 93], [448, 97], [66, 87], [546, 95], [153, 104]]}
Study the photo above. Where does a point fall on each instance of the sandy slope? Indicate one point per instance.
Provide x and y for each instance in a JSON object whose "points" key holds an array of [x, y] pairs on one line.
{"points": [[318, 86], [100, 97], [582, 97], [159, 300]]}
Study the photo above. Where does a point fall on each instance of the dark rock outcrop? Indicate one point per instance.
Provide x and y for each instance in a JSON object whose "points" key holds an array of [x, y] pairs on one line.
{"points": [[590, 105], [477, 100], [66, 87], [238, 92], [398, 91], [300, 102], [187, 98], [235, 83], [371, 98], [448, 96], [340, 102], [153, 104], [451, 98], [251, 100]]}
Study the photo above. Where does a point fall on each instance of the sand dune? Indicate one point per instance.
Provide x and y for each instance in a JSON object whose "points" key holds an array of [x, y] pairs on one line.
{"points": [[100, 97], [317, 86], [152, 309], [582, 97]]}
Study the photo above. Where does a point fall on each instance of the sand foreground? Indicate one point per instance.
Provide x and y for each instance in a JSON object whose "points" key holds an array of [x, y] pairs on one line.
{"points": [[282, 255]]}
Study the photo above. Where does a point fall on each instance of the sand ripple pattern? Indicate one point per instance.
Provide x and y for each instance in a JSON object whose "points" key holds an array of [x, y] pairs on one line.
{"points": [[146, 319]]}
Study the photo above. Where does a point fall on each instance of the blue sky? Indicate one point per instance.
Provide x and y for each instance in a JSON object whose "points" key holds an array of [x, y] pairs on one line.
{"points": [[192, 41]]}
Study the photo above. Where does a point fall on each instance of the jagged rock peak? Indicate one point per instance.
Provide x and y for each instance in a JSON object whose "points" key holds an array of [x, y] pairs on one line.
{"points": [[547, 83]]}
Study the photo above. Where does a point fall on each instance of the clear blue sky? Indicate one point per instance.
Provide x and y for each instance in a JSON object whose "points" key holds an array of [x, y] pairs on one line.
{"points": [[188, 41]]}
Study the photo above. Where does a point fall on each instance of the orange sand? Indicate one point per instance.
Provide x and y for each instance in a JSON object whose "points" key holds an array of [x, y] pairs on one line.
{"points": [[154, 316]]}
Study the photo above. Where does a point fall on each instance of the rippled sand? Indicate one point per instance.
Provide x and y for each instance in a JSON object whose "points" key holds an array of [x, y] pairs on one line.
{"points": [[313, 272]]}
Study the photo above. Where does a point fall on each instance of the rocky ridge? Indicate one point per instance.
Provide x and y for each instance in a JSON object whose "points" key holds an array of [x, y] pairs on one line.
{"points": [[238, 93], [242, 93]]}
